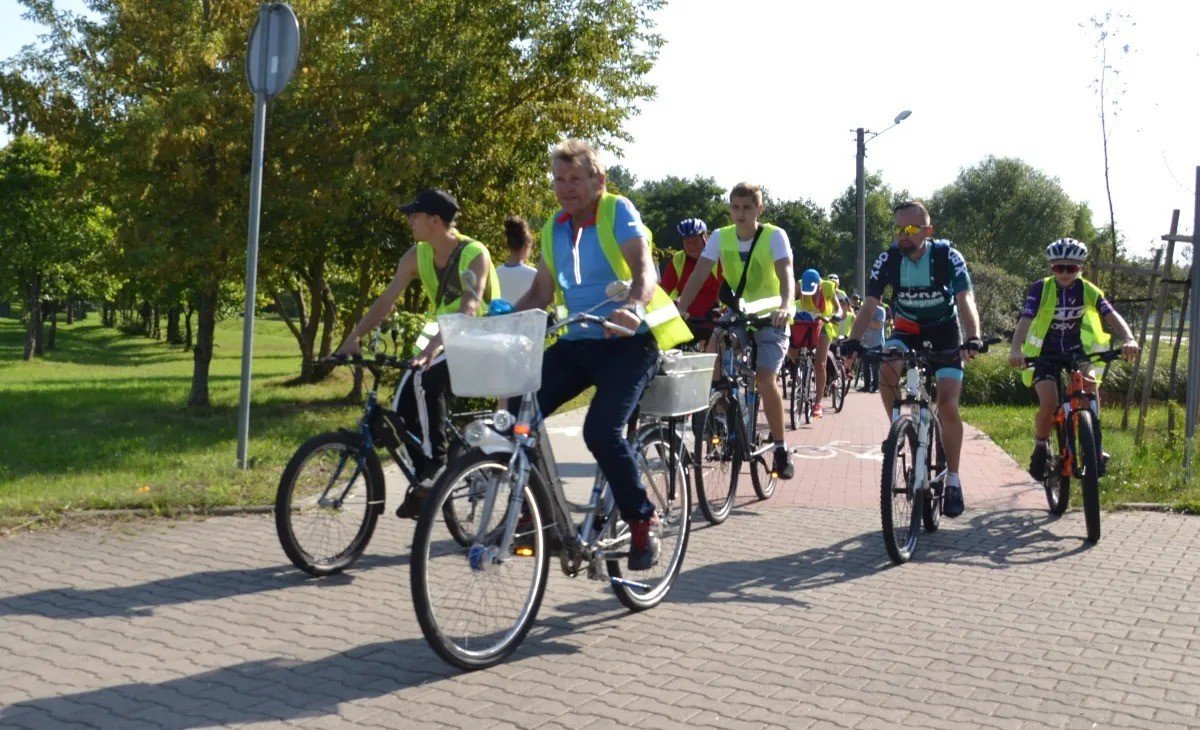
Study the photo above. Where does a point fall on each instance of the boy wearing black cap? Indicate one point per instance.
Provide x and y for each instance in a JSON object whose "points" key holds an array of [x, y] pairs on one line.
{"points": [[439, 258]]}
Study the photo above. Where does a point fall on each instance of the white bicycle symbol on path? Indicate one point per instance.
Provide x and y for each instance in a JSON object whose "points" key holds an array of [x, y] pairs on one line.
{"points": [[833, 448]]}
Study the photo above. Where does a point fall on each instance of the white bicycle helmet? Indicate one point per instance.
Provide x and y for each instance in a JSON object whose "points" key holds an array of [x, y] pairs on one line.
{"points": [[1067, 249]]}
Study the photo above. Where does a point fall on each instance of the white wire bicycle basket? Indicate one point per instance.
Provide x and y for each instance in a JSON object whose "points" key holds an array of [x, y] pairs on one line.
{"points": [[681, 386], [494, 357]]}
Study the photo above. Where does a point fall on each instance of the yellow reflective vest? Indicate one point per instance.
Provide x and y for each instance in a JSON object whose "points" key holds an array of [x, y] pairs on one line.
{"points": [[662, 317], [762, 283], [429, 283], [1091, 329]]}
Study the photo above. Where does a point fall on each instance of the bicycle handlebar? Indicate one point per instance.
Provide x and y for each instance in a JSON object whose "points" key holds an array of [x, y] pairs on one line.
{"points": [[926, 353], [1071, 359]]}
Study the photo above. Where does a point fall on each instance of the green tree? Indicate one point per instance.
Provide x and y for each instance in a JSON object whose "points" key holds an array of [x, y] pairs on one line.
{"points": [[1004, 212], [808, 230], [878, 201], [663, 203], [51, 233]]}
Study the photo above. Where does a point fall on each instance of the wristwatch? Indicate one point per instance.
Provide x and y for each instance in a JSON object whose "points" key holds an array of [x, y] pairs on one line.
{"points": [[637, 308]]}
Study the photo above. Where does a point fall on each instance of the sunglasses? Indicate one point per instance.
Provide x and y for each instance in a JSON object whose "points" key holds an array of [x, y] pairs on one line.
{"points": [[909, 230], [1064, 268]]}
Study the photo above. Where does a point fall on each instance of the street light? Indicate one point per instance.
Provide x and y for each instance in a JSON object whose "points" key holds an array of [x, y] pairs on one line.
{"points": [[860, 227]]}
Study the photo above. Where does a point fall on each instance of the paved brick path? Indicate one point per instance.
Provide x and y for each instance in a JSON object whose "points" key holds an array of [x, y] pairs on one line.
{"points": [[787, 615]]}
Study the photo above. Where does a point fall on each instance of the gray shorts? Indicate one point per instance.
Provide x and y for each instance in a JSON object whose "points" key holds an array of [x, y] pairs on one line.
{"points": [[771, 343]]}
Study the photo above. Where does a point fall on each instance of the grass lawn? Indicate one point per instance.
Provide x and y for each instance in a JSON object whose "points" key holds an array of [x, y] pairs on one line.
{"points": [[100, 422], [1150, 471]]}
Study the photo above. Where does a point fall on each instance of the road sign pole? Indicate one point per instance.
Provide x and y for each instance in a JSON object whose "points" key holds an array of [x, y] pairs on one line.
{"points": [[256, 166], [271, 57]]}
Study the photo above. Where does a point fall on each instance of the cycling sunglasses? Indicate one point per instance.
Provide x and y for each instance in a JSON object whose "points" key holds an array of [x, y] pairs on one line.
{"points": [[1064, 268], [908, 230]]}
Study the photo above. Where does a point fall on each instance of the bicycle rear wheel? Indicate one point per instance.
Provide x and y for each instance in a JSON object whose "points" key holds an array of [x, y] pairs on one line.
{"points": [[805, 383], [931, 506], [718, 458], [762, 475], [474, 604], [1058, 478], [647, 588], [787, 379], [837, 389], [1089, 472], [327, 503], [898, 505]]}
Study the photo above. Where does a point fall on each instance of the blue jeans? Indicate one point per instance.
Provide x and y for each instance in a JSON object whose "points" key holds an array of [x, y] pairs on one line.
{"points": [[620, 368]]}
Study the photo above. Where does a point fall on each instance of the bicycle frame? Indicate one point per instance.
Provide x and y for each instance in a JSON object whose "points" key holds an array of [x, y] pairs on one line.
{"points": [[738, 378]]}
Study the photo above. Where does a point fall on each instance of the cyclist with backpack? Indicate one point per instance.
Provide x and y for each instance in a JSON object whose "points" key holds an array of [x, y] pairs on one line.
{"points": [[932, 301], [439, 258], [1063, 313]]}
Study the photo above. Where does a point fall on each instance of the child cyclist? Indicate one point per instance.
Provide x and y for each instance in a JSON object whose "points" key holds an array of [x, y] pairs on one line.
{"points": [[1063, 313], [818, 301]]}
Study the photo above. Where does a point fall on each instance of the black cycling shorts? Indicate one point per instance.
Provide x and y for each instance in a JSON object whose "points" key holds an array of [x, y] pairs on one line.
{"points": [[940, 337]]}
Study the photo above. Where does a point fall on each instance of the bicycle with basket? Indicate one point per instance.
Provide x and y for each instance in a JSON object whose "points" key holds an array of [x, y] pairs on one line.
{"points": [[476, 602]]}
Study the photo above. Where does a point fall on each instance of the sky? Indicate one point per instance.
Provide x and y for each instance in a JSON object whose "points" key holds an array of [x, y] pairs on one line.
{"points": [[770, 91]]}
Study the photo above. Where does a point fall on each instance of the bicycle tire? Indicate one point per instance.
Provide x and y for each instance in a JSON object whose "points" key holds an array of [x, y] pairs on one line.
{"points": [[653, 453], [847, 379], [837, 392], [324, 539], [450, 583], [762, 477], [1057, 482], [717, 462], [805, 384], [1089, 476], [931, 507], [788, 391], [900, 530]]}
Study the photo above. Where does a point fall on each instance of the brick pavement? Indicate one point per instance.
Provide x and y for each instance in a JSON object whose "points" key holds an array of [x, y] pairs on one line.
{"points": [[787, 615]]}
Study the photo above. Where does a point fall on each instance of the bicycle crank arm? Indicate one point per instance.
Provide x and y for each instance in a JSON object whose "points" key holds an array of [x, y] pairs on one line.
{"points": [[761, 450]]}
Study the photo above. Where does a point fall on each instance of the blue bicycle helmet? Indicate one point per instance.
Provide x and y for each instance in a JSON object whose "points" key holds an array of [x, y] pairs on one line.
{"points": [[691, 227], [809, 281]]}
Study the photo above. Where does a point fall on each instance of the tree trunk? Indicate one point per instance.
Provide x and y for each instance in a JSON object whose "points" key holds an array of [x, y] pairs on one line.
{"points": [[173, 336], [144, 316], [351, 318], [70, 311], [33, 327], [53, 328], [187, 322], [155, 331], [202, 353]]}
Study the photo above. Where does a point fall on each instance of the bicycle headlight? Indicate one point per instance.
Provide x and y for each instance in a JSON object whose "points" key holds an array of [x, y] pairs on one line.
{"points": [[474, 432], [502, 420]]}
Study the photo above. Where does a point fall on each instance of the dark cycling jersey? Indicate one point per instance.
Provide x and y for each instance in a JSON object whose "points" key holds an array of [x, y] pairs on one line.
{"points": [[923, 291]]}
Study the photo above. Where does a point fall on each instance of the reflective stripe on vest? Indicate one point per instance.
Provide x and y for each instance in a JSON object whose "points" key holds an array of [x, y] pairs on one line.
{"points": [[1091, 329], [662, 317], [762, 283]]}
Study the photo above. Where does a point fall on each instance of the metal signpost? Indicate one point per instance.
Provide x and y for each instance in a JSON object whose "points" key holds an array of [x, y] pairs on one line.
{"points": [[1193, 361], [271, 58]]}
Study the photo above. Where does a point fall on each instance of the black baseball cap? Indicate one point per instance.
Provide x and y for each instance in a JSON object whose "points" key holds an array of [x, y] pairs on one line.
{"points": [[435, 202]]}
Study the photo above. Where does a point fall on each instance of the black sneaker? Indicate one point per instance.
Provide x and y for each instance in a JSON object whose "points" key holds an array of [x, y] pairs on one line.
{"points": [[952, 500], [783, 464], [644, 545], [410, 508], [1037, 461]]}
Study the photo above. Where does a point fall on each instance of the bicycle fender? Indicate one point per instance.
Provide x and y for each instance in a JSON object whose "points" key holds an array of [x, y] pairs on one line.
{"points": [[493, 443]]}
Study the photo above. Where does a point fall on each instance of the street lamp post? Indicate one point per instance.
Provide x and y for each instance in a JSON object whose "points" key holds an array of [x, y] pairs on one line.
{"points": [[860, 220]]}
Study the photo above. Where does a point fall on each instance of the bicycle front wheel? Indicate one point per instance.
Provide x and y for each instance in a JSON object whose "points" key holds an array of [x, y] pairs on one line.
{"points": [[327, 503], [1089, 472], [931, 504], [645, 589], [475, 604], [718, 458], [899, 506], [1057, 482]]}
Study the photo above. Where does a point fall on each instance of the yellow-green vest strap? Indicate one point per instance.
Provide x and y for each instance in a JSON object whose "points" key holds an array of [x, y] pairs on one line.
{"points": [[429, 283]]}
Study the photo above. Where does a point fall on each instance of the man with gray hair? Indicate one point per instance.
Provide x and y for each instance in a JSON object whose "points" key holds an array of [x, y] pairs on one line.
{"points": [[597, 238]]}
